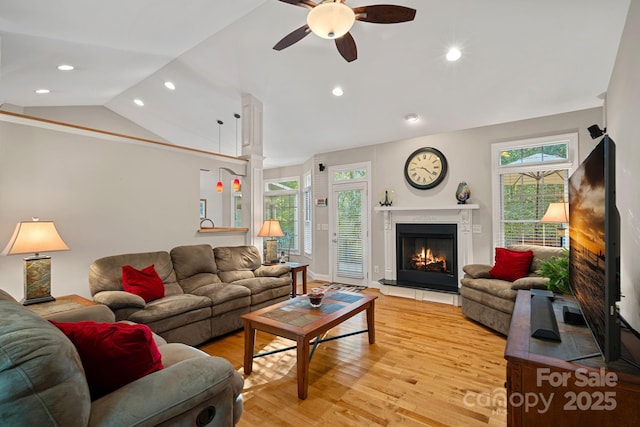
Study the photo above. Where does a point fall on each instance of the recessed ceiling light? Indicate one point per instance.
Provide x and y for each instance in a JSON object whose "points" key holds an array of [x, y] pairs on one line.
{"points": [[42, 91], [337, 91], [454, 54], [65, 67], [138, 102], [169, 85], [411, 118]]}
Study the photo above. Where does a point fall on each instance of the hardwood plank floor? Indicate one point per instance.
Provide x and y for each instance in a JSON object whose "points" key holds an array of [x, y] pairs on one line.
{"points": [[430, 366]]}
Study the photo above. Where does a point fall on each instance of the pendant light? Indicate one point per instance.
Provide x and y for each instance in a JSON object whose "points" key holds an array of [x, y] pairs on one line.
{"points": [[219, 184], [236, 181]]}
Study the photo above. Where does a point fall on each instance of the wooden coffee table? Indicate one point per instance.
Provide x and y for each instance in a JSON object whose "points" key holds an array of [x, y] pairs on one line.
{"points": [[296, 320]]}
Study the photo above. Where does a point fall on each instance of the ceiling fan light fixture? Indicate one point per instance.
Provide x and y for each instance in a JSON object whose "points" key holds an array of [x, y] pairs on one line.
{"points": [[331, 19]]}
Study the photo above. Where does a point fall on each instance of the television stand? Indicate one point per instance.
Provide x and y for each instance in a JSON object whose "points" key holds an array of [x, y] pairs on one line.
{"points": [[543, 387]]}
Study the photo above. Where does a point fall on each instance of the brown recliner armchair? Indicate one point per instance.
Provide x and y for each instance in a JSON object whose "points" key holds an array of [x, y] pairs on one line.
{"points": [[42, 380]]}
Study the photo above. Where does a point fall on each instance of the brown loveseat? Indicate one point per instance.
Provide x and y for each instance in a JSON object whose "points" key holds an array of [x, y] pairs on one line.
{"points": [[206, 289], [490, 301], [43, 382]]}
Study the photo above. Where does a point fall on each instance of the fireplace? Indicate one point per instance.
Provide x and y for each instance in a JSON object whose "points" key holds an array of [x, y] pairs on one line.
{"points": [[461, 216], [427, 256]]}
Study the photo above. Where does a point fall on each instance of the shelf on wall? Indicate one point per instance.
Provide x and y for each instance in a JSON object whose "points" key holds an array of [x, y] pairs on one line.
{"points": [[223, 230]]}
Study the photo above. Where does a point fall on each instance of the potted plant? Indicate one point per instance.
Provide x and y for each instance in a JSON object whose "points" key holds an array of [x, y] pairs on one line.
{"points": [[556, 268]]}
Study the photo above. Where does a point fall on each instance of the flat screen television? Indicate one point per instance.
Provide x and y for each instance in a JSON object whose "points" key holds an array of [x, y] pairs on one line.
{"points": [[594, 233]]}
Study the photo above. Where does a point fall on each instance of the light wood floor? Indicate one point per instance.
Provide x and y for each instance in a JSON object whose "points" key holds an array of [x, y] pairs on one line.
{"points": [[430, 366]]}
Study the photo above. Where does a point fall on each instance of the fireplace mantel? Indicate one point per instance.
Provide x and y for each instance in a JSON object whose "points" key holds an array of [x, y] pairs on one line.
{"points": [[461, 215], [422, 208]]}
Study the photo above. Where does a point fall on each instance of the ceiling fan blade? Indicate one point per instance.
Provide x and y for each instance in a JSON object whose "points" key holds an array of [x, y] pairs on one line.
{"points": [[384, 14], [301, 3], [293, 37], [347, 47]]}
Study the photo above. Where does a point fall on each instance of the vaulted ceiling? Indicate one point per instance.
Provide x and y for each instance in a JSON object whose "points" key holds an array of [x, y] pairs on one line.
{"points": [[520, 59]]}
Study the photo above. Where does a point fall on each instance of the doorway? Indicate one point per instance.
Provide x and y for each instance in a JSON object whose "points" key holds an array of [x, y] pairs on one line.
{"points": [[349, 224]]}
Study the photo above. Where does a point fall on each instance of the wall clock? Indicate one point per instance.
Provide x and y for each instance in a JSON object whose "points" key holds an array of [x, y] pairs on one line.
{"points": [[425, 168]]}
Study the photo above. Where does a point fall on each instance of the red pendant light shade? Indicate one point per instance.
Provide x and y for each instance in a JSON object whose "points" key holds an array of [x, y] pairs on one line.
{"points": [[219, 187], [236, 184]]}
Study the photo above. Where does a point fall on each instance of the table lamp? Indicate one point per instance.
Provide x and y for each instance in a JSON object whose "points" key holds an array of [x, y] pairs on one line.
{"points": [[35, 237], [557, 212], [271, 228]]}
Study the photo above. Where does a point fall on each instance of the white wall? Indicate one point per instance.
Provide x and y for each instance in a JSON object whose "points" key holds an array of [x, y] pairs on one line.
{"points": [[94, 117], [208, 181], [623, 111], [106, 197]]}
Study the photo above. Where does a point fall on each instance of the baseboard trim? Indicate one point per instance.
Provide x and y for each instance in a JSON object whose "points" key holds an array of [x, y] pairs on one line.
{"points": [[421, 294]]}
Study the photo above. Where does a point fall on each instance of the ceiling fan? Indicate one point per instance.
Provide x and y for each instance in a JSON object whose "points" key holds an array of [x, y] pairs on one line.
{"points": [[332, 19]]}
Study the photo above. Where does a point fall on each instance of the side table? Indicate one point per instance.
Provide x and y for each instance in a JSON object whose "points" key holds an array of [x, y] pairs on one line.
{"points": [[61, 304], [295, 268]]}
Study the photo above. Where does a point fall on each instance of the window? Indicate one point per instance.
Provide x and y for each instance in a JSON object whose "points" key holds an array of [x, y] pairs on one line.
{"points": [[237, 209], [308, 227], [528, 176], [349, 175], [281, 203]]}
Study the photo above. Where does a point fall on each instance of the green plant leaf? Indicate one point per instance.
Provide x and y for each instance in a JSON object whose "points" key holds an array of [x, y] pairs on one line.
{"points": [[557, 270]]}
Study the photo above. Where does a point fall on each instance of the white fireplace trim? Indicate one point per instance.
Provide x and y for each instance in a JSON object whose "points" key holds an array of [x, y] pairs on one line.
{"points": [[461, 215]]}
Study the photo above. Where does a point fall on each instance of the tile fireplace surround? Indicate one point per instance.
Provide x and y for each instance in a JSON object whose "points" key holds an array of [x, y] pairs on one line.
{"points": [[461, 215]]}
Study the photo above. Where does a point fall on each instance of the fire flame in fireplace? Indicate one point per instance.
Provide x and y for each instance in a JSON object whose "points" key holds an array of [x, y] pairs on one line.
{"points": [[425, 260]]}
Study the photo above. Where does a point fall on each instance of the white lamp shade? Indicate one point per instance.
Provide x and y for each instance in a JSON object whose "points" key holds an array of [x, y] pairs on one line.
{"points": [[557, 212], [331, 20], [271, 228], [35, 237]]}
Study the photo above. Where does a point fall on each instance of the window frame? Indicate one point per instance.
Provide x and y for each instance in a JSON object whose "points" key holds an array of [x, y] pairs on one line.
{"points": [[497, 170], [295, 249]]}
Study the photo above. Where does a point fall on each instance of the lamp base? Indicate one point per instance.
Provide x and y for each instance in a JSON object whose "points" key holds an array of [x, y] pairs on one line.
{"points": [[37, 300], [37, 280], [271, 253]]}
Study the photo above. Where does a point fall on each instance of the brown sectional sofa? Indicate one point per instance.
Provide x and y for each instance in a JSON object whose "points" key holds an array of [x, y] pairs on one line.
{"points": [[206, 289], [490, 301]]}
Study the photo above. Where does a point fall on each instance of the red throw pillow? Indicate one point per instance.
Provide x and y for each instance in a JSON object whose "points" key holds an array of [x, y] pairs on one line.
{"points": [[145, 283], [112, 354], [511, 265]]}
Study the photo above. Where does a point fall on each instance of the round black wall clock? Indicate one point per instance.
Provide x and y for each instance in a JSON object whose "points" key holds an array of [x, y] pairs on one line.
{"points": [[425, 168]]}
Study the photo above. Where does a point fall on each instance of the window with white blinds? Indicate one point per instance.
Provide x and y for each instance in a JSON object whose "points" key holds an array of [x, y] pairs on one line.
{"points": [[281, 203], [308, 226], [525, 198], [528, 176]]}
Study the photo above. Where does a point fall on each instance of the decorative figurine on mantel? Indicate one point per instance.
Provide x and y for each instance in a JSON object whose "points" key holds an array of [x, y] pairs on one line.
{"points": [[386, 198], [463, 193]]}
